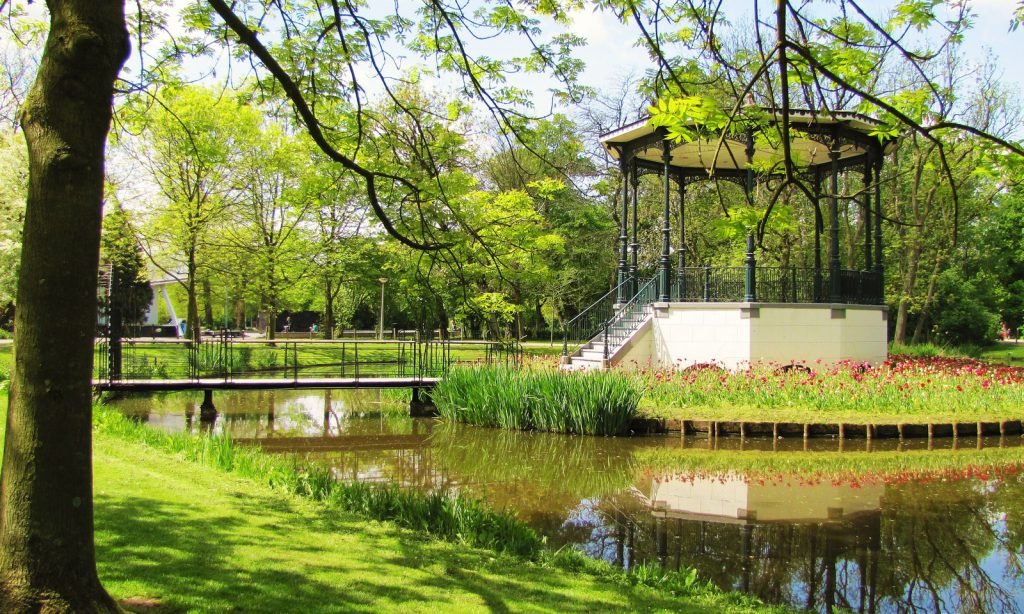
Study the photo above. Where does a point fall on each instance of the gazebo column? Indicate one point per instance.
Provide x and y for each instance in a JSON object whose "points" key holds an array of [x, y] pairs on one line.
{"points": [[749, 150], [681, 265], [635, 181], [623, 236], [666, 229], [879, 269], [834, 287], [867, 216], [818, 227], [868, 287]]}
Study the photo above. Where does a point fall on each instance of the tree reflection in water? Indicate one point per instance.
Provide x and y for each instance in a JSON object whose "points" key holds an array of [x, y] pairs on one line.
{"points": [[935, 547]]}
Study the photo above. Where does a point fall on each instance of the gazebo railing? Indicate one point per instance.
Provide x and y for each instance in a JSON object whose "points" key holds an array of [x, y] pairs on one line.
{"points": [[776, 285], [711, 284]]}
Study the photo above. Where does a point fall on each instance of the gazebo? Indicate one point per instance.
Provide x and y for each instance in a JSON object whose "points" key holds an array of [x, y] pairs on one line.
{"points": [[737, 316]]}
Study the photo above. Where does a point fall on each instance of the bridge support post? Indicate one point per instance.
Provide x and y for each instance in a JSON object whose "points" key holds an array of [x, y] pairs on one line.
{"points": [[206, 410], [421, 406]]}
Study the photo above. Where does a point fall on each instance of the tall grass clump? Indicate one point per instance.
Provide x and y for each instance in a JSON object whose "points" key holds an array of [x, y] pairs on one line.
{"points": [[444, 515], [579, 402]]}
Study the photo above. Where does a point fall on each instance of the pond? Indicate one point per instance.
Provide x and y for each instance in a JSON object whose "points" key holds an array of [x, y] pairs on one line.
{"points": [[950, 543]]}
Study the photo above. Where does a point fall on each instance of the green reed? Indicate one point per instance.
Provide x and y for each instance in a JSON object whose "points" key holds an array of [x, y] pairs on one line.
{"points": [[444, 515], [579, 402]]}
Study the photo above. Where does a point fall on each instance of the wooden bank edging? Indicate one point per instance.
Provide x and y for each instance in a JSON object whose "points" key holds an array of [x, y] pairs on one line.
{"points": [[841, 430]]}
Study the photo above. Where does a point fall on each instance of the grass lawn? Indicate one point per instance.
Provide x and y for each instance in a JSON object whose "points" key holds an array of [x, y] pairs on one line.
{"points": [[176, 536], [1007, 353]]}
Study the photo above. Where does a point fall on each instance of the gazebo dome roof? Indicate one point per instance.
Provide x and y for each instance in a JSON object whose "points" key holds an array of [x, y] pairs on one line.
{"points": [[812, 135]]}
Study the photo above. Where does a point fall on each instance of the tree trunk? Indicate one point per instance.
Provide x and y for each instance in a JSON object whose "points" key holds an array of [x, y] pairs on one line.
{"points": [[272, 322], [328, 308], [208, 303], [192, 313], [929, 299], [47, 557], [906, 294], [444, 324], [538, 314]]}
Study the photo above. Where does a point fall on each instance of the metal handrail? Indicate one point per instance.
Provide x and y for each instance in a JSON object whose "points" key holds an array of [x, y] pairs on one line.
{"points": [[776, 285], [230, 360], [588, 322], [625, 320], [597, 302]]}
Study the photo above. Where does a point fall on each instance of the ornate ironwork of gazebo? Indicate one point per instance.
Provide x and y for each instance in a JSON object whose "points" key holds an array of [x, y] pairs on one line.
{"points": [[822, 146]]}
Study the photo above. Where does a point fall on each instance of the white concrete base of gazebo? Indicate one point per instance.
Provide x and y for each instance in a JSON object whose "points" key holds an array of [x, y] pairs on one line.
{"points": [[737, 335]]}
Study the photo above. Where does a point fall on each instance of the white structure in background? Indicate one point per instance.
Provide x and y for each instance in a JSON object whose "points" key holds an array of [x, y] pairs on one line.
{"points": [[734, 335], [152, 320]]}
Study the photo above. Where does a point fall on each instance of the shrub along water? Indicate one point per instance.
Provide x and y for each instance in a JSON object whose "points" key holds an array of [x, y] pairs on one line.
{"points": [[444, 515], [579, 402]]}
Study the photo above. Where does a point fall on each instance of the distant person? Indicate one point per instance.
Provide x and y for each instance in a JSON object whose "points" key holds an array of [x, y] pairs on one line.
{"points": [[288, 324]]}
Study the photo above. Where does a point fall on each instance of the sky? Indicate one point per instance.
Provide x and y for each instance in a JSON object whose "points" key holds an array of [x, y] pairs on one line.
{"points": [[611, 53]]}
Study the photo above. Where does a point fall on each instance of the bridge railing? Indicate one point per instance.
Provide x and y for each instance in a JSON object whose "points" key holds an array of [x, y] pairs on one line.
{"points": [[226, 358]]}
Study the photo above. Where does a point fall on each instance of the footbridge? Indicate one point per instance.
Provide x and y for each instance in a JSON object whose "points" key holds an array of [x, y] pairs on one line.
{"points": [[224, 362]]}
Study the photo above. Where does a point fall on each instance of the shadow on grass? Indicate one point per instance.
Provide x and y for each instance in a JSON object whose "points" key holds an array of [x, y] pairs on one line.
{"points": [[163, 556], [189, 560]]}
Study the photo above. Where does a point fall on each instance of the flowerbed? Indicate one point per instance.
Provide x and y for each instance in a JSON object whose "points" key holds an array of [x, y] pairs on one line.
{"points": [[901, 390]]}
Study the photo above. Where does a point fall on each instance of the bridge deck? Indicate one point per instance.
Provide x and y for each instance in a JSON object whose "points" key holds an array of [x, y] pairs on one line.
{"points": [[167, 385]]}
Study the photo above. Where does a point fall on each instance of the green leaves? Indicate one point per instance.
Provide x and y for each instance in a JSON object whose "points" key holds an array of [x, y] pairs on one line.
{"points": [[917, 14], [914, 103], [686, 118]]}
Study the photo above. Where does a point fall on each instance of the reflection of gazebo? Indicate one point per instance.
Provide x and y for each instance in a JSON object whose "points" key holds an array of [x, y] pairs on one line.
{"points": [[739, 315], [733, 498], [831, 530]]}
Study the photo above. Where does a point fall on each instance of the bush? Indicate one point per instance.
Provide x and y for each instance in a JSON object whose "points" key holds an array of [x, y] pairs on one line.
{"points": [[933, 350], [580, 402], [961, 314]]}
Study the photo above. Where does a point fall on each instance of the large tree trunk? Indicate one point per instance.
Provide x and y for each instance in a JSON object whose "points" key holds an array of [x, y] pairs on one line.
{"points": [[47, 558]]}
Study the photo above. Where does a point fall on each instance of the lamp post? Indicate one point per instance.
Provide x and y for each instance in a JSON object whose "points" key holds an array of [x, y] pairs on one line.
{"points": [[380, 322]]}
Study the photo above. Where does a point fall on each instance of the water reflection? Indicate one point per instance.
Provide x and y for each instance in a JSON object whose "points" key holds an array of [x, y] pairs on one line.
{"points": [[950, 545]]}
